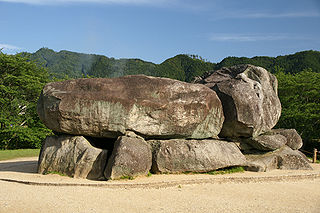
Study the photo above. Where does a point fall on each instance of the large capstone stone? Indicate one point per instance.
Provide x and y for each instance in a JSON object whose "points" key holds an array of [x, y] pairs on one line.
{"points": [[249, 98], [73, 156], [149, 106], [284, 158], [178, 155], [131, 157]]}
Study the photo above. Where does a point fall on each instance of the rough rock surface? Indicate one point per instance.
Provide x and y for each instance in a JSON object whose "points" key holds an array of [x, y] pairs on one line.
{"points": [[73, 156], [294, 140], [267, 142], [284, 158], [166, 126], [249, 98], [149, 106], [178, 155], [131, 156]]}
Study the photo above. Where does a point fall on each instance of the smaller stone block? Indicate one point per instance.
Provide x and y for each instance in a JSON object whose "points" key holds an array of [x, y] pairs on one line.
{"points": [[73, 156], [284, 158], [178, 155], [267, 142], [294, 140], [131, 157]]}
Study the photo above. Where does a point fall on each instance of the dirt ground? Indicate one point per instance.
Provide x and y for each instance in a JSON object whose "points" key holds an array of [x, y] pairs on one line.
{"points": [[189, 193]]}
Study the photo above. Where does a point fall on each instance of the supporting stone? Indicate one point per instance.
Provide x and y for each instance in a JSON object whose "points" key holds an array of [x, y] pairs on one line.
{"points": [[131, 157], [284, 158], [72, 156], [266, 142], [178, 155], [294, 140]]}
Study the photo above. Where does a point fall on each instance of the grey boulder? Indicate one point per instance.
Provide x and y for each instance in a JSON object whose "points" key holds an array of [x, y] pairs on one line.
{"points": [[73, 156], [294, 140], [284, 158], [249, 97], [272, 140], [131, 157], [149, 106], [177, 155], [266, 142]]}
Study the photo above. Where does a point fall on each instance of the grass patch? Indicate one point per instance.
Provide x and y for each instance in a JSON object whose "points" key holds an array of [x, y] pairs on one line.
{"points": [[227, 171], [311, 158], [54, 173], [126, 177], [18, 153], [223, 171]]}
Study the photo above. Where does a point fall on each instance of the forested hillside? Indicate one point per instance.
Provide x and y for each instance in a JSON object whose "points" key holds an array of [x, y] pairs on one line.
{"points": [[289, 63], [22, 80], [66, 64]]}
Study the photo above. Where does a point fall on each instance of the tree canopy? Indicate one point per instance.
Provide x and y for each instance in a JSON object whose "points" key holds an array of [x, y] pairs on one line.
{"points": [[300, 98], [20, 85]]}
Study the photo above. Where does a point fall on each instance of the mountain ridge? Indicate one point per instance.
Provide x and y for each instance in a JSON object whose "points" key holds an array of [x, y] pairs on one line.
{"points": [[68, 64]]}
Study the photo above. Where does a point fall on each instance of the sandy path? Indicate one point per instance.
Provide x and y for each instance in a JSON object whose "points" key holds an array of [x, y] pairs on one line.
{"points": [[302, 196], [284, 196]]}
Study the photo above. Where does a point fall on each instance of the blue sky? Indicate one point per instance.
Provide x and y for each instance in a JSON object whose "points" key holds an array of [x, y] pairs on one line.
{"points": [[154, 30]]}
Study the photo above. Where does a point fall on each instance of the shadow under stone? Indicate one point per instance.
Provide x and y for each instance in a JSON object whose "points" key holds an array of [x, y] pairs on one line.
{"points": [[102, 143]]}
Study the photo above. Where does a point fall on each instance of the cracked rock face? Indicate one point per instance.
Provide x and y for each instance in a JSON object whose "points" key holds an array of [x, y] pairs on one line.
{"points": [[294, 140], [131, 157], [128, 126], [149, 106], [249, 98], [267, 142], [178, 155], [272, 140], [73, 156], [283, 158]]}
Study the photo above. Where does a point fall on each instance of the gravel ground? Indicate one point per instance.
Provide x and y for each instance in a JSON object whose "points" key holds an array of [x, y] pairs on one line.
{"points": [[270, 196]]}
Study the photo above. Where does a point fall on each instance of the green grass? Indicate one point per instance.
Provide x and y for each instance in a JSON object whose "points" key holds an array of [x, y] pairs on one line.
{"points": [[54, 173], [126, 177], [220, 171], [311, 158], [18, 153], [227, 171]]}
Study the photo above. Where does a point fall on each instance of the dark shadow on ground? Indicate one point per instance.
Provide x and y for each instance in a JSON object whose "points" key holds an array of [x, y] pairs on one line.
{"points": [[20, 166]]}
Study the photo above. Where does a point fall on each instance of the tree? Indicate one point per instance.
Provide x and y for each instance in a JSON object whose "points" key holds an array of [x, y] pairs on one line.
{"points": [[300, 98], [20, 85]]}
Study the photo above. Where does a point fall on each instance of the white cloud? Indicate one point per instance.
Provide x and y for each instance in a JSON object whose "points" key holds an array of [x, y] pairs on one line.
{"points": [[253, 37], [9, 47], [55, 2], [283, 15], [255, 15]]}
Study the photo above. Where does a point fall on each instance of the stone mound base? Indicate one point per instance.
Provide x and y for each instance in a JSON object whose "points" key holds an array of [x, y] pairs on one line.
{"points": [[132, 156]]}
